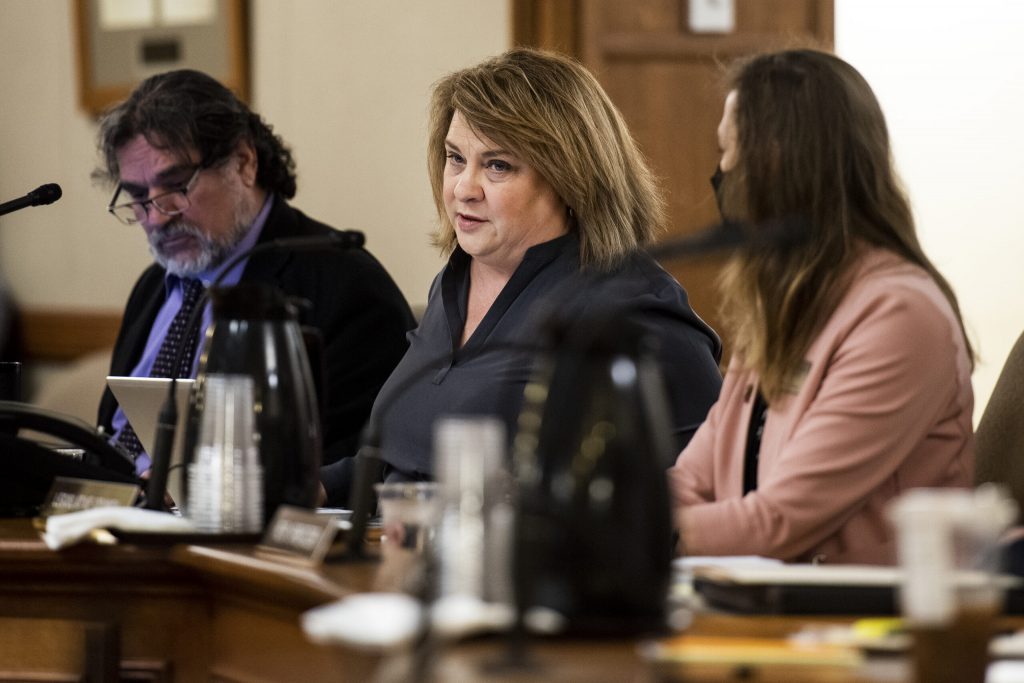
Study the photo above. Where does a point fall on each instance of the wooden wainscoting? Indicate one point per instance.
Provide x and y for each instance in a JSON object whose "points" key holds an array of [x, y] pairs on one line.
{"points": [[64, 334]]}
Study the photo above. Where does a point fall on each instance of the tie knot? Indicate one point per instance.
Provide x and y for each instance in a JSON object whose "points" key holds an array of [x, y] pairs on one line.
{"points": [[191, 290]]}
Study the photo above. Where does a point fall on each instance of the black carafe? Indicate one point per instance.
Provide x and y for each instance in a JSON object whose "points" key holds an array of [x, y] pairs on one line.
{"points": [[255, 332], [593, 538]]}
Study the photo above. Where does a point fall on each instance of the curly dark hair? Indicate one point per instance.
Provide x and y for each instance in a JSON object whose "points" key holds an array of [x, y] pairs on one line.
{"points": [[187, 110]]}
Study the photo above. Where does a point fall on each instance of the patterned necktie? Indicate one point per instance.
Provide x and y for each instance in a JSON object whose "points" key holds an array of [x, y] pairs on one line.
{"points": [[192, 290]]}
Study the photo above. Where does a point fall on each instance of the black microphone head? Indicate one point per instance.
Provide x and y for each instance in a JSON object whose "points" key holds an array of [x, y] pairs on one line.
{"points": [[733, 235], [45, 194], [724, 236]]}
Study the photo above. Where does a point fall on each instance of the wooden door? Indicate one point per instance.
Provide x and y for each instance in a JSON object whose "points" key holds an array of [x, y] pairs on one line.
{"points": [[668, 82]]}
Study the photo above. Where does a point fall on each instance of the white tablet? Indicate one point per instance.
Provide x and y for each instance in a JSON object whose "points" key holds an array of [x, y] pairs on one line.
{"points": [[141, 399]]}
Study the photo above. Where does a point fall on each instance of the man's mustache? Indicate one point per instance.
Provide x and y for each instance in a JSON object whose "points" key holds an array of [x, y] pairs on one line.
{"points": [[175, 230]]}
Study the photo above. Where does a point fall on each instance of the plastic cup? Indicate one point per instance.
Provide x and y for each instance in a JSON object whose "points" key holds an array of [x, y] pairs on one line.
{"points": [[951, 593]]}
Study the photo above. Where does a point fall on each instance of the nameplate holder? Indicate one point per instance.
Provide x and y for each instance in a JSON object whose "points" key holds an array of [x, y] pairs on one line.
{"points": [[68, 494], [297, 534]]}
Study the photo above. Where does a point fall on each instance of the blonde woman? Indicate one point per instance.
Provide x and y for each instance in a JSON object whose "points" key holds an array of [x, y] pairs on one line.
{"points": [[535, 178]]}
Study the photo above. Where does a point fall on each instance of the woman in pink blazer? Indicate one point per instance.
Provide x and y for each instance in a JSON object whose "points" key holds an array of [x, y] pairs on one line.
{"points": [[850, 377]]}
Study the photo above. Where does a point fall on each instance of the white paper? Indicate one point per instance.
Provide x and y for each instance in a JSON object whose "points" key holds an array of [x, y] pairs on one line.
{"points": [[63, 530]]}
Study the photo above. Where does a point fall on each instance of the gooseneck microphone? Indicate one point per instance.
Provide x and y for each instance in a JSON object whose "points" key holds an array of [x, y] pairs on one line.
{"points": [[163, 443], [734, 235], [44, 194]]}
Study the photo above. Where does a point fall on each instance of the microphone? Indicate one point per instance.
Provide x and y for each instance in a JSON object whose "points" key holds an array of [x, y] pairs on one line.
{"points": [[167, 420], [344, 239], [730, 235], [44, 194]]}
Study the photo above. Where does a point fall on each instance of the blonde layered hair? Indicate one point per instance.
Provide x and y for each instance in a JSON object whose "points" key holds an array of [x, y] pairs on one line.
{"points": [[814, 148], [553, 114]]}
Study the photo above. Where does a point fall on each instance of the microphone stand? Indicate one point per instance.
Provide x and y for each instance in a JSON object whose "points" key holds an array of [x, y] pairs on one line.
{"points": [[167, 420], [734, 235]]}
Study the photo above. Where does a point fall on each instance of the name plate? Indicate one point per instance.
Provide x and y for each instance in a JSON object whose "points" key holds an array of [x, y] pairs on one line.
{"points": [[68, 494], [299, 534]]}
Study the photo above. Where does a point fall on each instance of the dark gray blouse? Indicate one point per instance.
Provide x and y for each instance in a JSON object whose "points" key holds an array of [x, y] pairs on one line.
{"points": [[488, 374]]}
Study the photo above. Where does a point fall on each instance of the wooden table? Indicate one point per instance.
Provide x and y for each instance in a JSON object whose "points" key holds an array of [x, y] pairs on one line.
{"points": [[164, 613], [198, 613]]}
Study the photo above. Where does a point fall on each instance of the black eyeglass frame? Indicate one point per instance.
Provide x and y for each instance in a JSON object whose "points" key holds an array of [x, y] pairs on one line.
{"points": [[140, 208]]}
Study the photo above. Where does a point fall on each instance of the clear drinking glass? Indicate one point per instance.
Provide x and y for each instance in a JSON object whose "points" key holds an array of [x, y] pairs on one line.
{"points": [[475, 534], [409, 512]]}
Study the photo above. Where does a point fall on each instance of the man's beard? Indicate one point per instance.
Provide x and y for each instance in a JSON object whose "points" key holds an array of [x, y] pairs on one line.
{"points": [[210, 251]]}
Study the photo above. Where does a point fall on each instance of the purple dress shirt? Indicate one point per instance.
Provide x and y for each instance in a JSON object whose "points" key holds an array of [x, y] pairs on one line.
{"points": [[170, 308]]}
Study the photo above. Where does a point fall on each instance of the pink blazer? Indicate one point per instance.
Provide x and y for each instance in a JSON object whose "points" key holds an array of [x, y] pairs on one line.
{"points": [[885, 406]]}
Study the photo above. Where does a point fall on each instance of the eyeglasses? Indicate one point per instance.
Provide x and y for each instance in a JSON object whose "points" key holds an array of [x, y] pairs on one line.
{"points": [[169, 203]]}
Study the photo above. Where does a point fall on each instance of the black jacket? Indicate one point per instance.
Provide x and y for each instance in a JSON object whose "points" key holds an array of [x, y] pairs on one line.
{"points": [[357, 307]]}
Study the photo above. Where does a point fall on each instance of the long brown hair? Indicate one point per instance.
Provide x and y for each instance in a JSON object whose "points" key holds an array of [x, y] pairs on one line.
{"points": [[813, 147], [549, 110]]}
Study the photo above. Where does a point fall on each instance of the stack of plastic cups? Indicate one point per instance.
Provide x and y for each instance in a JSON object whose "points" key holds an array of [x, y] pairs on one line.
{"points": [[226, 477]]}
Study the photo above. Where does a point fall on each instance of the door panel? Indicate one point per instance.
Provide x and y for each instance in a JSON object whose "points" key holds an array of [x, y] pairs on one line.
{"points": [[668, 83]]}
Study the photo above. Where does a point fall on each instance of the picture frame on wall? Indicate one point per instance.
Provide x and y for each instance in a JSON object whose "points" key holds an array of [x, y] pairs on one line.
{"points": [[123, 42]]}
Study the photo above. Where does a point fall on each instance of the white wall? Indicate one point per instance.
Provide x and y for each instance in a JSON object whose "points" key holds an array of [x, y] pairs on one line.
{"points": [[345, 83], [950, 77]]}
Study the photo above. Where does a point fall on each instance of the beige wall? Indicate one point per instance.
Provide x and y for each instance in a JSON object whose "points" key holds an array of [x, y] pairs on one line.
{"points": [[68, 254], [950, 78], [345, 83]]}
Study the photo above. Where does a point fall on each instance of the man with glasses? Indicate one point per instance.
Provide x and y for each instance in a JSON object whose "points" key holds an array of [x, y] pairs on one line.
{"points": [[206, 179]]}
